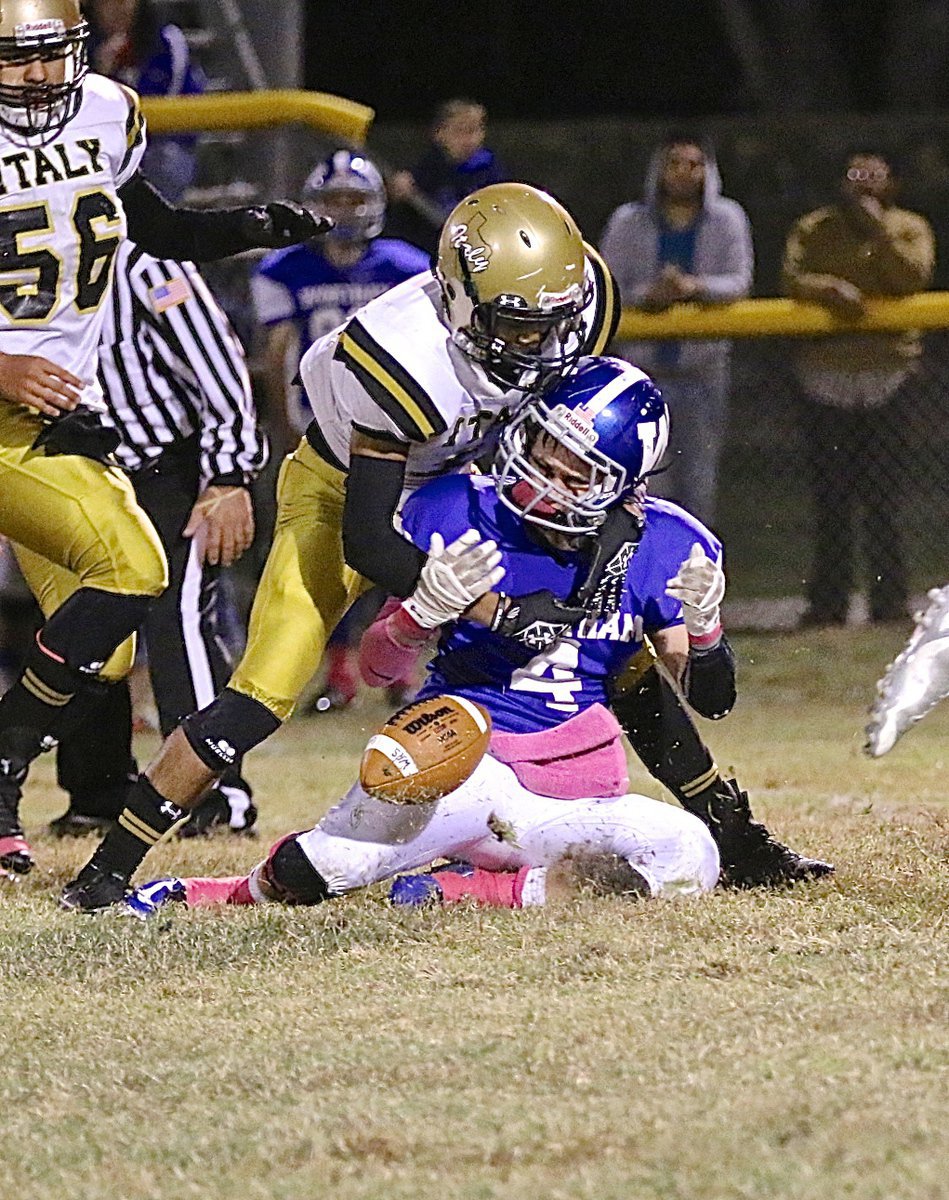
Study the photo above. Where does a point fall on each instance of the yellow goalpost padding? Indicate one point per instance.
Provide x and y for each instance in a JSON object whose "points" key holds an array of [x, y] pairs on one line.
{"points": [[319, 111], [783, 318]]}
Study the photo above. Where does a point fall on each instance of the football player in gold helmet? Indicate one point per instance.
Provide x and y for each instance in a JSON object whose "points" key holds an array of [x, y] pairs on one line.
{"points": [[43, 62], [514, 284], [70, 147], [412, 386]]}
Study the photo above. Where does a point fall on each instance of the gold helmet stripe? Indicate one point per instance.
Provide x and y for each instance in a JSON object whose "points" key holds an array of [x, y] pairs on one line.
{"points": [[399, 396], [606, 314]]}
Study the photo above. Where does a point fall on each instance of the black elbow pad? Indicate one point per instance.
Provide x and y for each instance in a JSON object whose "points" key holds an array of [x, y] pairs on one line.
{"points": [[709, 682]]}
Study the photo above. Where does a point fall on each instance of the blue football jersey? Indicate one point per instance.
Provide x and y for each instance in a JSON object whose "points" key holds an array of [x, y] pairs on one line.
{"points": [[301, 285], [522, 690]]}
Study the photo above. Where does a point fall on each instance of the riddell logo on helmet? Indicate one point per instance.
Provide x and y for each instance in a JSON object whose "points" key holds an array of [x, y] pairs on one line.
{"points": [[574, 419], [34, 29], [478, 258]]}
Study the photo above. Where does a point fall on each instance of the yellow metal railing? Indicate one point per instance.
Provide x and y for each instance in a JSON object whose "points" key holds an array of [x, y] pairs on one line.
{"points": [[320, 111], [783, 318]]}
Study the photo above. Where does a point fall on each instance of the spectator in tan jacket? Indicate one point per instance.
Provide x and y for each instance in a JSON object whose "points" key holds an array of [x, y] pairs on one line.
{"points": [[858, 389]]}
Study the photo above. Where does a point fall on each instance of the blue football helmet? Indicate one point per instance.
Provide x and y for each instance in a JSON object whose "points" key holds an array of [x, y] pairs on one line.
{"points": [[615, 424], [348, 188]]}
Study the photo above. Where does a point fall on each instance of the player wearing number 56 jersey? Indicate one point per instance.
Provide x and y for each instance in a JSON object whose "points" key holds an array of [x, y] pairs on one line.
{"points": [[413, 386], [70, 148]]}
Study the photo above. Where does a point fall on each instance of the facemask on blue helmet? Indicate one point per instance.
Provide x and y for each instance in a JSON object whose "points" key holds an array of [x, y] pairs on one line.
{"points": [[348, 188], [573, 453]]}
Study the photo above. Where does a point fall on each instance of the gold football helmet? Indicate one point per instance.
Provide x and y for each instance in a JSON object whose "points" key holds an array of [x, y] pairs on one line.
{"points": [[511, 265], [43, 61]]}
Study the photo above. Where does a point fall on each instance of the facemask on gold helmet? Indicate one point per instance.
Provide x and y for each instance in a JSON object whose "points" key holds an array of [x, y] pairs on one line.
{"points": [[511, 265], [43, 61]]}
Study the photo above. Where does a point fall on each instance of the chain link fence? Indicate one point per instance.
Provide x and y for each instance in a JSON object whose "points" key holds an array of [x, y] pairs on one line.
{"points": [[766, 511]]}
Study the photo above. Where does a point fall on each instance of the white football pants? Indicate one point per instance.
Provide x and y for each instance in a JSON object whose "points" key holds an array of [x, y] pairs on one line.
{"points": [[492, 821]]}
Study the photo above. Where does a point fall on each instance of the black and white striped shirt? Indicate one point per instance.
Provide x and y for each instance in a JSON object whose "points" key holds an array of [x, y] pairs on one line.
{"points": [[171, 368]]}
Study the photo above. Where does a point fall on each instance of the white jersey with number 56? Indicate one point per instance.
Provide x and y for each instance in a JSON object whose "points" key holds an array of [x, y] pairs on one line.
{"points": [[60, 224]]}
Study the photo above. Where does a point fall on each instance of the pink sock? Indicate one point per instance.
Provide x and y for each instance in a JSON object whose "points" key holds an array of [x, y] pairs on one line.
{"points": [[496, 889], [232, 889]]}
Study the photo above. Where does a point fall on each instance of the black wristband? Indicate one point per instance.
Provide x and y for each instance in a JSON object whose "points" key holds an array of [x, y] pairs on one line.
{"points": [[709, 682]]}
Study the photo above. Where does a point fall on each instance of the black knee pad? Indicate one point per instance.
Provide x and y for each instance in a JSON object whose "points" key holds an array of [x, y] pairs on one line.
{"points": [[87, 627], [292, 876], [228, 728]]}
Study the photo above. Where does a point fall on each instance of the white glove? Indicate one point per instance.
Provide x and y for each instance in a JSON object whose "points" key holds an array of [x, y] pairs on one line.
{"points": [[453, 578], [699, 586]]}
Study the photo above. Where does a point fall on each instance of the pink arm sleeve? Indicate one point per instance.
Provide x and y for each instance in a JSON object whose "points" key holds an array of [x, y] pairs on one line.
{"points": [[391, 645]]}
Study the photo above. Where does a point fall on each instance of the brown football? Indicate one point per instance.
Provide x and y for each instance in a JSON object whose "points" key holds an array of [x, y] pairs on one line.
{"points": [[425, 750]]}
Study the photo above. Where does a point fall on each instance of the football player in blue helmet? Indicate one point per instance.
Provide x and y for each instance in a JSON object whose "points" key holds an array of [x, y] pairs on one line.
{"points": [[566, 471], [611, 418], [302, 296], [349, 187]]}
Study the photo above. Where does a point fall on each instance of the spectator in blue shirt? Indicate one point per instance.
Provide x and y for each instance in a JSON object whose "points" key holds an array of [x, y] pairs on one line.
{"points": [[684, 241]]}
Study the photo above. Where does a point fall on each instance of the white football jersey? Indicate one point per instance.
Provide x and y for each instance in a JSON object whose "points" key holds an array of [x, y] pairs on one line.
{"points": [[393, 371], [61, 222]]}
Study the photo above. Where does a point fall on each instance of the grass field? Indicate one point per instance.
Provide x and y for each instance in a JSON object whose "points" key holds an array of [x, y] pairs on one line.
{"points": [[766, 1045]]}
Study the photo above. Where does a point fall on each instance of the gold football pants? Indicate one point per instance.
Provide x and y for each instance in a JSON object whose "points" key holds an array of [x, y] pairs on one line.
{"points": [[74, 523], [305, 588]]}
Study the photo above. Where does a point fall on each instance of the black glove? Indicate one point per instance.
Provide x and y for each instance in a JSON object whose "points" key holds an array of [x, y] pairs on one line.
{"points": [[610, 552], [535, 620], [79, 432], [282, 223]]}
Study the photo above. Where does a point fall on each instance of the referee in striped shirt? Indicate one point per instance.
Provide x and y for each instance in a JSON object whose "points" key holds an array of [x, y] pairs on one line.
{"points": [[178, 394]]}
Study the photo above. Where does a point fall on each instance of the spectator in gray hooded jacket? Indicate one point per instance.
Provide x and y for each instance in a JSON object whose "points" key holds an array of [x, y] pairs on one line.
{"points": [[684, 241]]}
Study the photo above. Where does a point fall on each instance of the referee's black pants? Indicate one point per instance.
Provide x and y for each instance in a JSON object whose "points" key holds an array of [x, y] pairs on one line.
{"points": [[188, 659]]}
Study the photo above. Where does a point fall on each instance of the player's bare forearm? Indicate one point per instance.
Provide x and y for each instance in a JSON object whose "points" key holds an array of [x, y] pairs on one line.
{"points": [[483, 610], [672, 647]]}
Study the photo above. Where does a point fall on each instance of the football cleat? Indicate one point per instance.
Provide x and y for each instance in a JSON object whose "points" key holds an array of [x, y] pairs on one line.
{"points": [[916, 680], [145, 901], [763, 861], [94, 890], [15, 853], [77, 824], [415, 890], [750, 855], [228, 808]]}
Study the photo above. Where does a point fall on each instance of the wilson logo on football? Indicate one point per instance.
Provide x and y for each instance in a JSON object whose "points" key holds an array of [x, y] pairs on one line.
{"points": [[425, 750]]}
